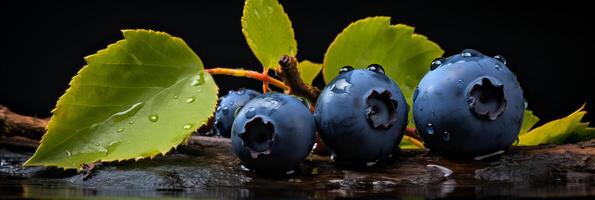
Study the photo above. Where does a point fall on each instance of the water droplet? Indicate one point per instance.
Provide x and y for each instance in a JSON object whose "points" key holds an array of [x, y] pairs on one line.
{"points": [[153, 118], [225, 110], [469, 53], [446, 136], [430, 129], [345, 69], [460, 81], [125, 115], [369, 164], [218, 108], [131, 122], [191, 99], [333, 157], [498, 67], [256, 13], [526, 104], [376, 68], [241, 91], [340, 86], [251, 112], [199, 90], [500, 58], [97, 144], [436, 63], [119, 130], [187, 126], [176, 96], [68, 153], [244, 168]]}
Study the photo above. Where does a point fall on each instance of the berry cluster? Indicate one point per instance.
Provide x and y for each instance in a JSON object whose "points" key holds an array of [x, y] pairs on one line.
{"points": [[468, 104]]}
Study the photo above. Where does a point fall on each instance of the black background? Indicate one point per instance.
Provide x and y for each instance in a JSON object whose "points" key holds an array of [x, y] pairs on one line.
{"points": [[548, 45]]}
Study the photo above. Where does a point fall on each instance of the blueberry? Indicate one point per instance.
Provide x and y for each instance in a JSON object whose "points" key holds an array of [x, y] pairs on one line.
{"points": [[469, 104], [361, 115], [227, 106], [273, 133]]}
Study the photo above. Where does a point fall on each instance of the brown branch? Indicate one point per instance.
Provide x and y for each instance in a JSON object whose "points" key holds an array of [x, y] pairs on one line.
{"points": [[288, 72], [12, 124], [18, 143]]}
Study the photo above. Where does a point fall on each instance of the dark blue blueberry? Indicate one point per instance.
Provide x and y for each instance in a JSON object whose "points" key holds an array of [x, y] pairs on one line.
{"points": [[361, 115], [228, 104], [273, 133], [469, 105]]}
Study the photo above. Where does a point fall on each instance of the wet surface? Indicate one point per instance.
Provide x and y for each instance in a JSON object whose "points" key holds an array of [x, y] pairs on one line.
{"points": [[197, 171]]}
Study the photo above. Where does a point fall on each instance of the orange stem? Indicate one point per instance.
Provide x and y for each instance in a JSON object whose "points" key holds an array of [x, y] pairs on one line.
{"points": [[265, 82], [248, 74]]}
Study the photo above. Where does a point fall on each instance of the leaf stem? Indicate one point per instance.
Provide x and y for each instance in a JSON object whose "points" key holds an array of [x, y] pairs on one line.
{"points": [[265, 82], [248, 74]]}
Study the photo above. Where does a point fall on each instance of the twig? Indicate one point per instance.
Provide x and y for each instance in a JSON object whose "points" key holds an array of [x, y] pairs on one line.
{"points": [[288, 72], [247, 74], [12, 124]]}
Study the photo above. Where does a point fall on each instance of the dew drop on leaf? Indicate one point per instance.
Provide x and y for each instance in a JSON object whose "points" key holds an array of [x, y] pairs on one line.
{"points": [[119, 130], [153, 118], [68, 153], [176, 96], [127, 113], [191, 99], [131, 122], [187, 126], [256, 13]]}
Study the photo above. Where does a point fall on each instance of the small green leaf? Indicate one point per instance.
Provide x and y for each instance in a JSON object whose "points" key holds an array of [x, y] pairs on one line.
{"points": [[405, 55], [138, 98], [309, 70], [566, 130], [405, 144], [268, 31], [529, 120]]}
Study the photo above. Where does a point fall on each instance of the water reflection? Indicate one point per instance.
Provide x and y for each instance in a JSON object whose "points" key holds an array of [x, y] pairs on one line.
{"points": [[39, 189]]}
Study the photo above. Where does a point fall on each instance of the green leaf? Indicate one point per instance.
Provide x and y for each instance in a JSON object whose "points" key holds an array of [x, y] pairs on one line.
{"points": [[529, 120], [309, 70], [405, 55], [405, 144], [138, 98], [268, 31], [566, 130]]}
